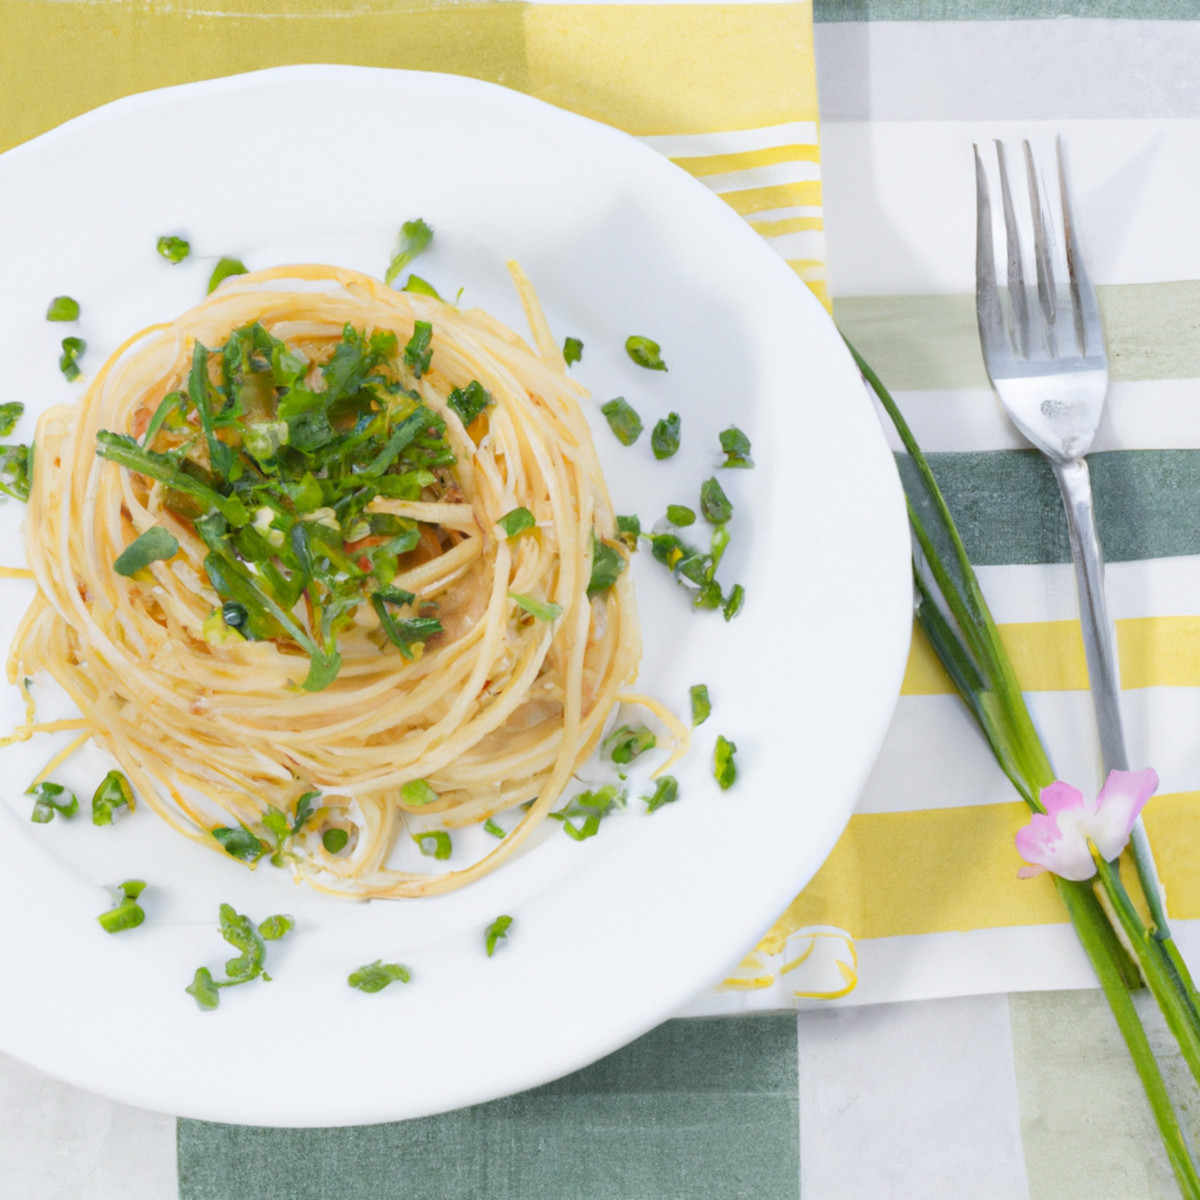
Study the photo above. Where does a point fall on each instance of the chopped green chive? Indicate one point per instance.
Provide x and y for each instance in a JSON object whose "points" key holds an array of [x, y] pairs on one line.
{"points": [[629, 529], [625, 743], [645, 353], [607, 565], [10, 414], [666, 791], [434, 843], [68, 361], [572, 350], [128, 913], [517, 521], [114, 792], [422, 287], [223, 270], [664, 440], [378, 975], [737, 448], [544, 610], [239, 843], [418, 354], [154, 545], [495, 931], [701, 705], [622, 420], [490, 826], [16, 469], [589, 808], [724, 768], [734, 601], [174, 249], [250, 940], [334, 840], [413, 238], [680, 515], [469, 402], [418, 792], [49, 802], [714, 504], [63, 308]]}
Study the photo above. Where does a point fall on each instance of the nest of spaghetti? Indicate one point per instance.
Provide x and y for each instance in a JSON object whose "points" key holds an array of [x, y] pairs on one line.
{"points": [[320, 556]]}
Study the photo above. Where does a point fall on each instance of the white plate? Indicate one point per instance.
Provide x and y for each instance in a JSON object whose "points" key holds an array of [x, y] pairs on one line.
{"points": [[611, 935]]}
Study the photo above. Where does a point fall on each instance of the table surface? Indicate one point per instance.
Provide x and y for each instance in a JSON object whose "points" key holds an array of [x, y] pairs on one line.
{"points": [[1019, 1088]]}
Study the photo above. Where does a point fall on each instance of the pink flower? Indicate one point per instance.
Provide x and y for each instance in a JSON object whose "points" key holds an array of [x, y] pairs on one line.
{"points": [[1058, 839]]}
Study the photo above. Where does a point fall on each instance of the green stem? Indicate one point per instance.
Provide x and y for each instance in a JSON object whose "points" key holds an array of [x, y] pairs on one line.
{"points": [[1159, 971], [1098, 945]]}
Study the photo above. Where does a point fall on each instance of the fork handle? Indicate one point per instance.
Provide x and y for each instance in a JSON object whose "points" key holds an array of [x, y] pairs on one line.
{"points": [[1099, 647]]}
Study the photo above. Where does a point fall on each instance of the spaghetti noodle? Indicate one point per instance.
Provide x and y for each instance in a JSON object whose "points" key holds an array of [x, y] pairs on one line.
{"points": [[270, 734]]}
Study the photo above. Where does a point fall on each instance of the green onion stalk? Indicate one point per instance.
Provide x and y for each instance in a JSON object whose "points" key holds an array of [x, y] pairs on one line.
{"points": [[1127, 952]]}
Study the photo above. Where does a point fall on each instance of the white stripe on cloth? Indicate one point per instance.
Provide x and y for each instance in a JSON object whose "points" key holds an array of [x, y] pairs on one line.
{"points": [[58, 1142], [736, 141], [913, 1100]]}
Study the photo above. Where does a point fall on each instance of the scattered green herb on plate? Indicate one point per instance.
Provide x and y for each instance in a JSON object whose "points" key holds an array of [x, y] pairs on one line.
{"points": [[495, 931], [572, 350], [666, 791], [413, 238], [225, 268], [51, 800], [622, 420], [173, 249], [664, 439], [645, 352], [128, 913], [63, 308], [68, 360], [724, 768], [378, 975], [113, 793]]}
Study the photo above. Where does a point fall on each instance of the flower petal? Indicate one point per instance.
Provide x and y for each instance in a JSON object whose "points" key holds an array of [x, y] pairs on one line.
{"points": [[1121, 799], [1061, 848], [1059, 797]]}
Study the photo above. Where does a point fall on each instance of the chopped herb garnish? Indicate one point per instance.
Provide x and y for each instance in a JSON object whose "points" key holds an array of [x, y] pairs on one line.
{"points": [[724, 768], [418, 792], [495, 931], [378, 975], [625, 743], [737, 448], [469, 402], [701, 704], [680, 515], [714, 504], [223, 270], [490, 826], [572, 350], [629, 529], [68, 361], [544, 610], [334, 840], [666, 791], [517, 521], [49, 802], [607, 564], [128, 912], [734, 601], [16, 471], [63, 308], [239, 843], [433, 843], [10, 414], [422, 287], [274, 461], [418, 354], [413, 238], [174, 249], [154, 545], [589, 808], [113, 793], [664, 439], [645, 353], [622, 420], [250, 941]]}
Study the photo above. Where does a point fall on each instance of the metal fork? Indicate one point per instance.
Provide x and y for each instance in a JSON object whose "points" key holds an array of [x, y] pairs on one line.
{"points": [[1044, 349]]}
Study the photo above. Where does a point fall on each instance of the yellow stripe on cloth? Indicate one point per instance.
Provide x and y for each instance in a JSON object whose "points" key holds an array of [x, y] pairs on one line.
{"points": [[725, 164], [955, 869], [1048, 656]]}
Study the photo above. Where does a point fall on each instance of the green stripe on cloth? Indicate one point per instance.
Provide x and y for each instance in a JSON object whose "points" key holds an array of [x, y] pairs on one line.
{"points": [[1001, 10], [931, 343], [701, 1109], [1008, 508], [1086, 1129]]}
